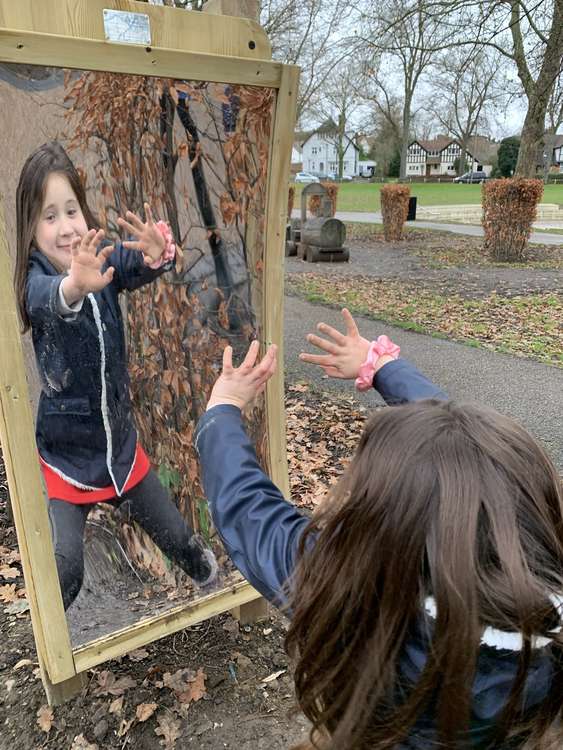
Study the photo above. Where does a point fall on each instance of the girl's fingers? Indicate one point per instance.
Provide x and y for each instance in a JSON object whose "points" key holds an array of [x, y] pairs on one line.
{"points": [[148, 260], [251, 354], [127, 226], [132, 245], [148, 214], [338, 337], [108, 275], [327, 346], [351, 327], [106, 252], [227, 360], [135, 221], [75, 245], [95, 241], [267, 365], [324, 360]]}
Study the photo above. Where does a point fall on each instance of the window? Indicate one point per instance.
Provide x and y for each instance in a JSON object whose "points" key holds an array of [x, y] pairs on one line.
{"points": [[314, 150]]}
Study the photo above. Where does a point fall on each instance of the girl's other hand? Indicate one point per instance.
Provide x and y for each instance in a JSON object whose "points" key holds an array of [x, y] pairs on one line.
{"points": [[239, 386], [149, 240], [86, 263], [345, 352]]}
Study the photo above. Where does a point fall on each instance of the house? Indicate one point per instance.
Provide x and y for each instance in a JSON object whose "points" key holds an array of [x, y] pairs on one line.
{"points": [[297, 149], [551, 155], [320, 154], [433, 158]]}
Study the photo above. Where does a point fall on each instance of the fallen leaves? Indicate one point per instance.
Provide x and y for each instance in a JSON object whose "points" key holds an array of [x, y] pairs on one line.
{"points": [[169, 729], [45, 718], [81, 743], [187, 685], [322, 435], [108, 683], [145, 711]]}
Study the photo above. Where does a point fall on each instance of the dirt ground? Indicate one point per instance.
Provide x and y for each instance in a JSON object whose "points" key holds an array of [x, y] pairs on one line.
{"points": [[443, 262]]}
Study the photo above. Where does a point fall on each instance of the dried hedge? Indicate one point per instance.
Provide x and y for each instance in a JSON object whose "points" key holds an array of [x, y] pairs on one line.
{"points": [[509, 210], [314, 204], [394, 210], [290, 201]]}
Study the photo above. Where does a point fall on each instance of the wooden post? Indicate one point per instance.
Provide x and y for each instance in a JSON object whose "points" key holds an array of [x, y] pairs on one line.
{"points": [[252, 612], [59, 693], [240, 8]]}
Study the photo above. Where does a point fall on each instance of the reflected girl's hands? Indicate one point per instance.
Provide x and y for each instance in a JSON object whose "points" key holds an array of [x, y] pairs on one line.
{"points": [[238, 386], [345, 352], [85, 272], [149, 239]]}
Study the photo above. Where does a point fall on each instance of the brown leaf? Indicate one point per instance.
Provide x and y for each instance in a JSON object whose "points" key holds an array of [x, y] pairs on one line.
{"points": [[7, 572], [21, 663], [196, 689], [145, 711], [116, 706], [169, 729], [45, 718], [138, 654], [81, 743], [124, 727], [108, 683], [8, 593]]}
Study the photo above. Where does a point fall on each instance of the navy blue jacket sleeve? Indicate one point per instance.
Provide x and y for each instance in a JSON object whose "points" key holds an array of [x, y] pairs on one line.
{"points": [[261, 530], [41, 296], [130, 269], [400, 382]]}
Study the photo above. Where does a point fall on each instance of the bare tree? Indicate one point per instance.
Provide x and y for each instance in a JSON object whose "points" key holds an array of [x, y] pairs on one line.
{"points": [[308, 33], [402, 36], [529, 33], [338, 101], [467, 87]]}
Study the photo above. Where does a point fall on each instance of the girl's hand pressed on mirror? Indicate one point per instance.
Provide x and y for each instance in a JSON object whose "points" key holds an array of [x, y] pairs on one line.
{"points": [[345, 352], [238, 386], [149, 240], [86, 263]]}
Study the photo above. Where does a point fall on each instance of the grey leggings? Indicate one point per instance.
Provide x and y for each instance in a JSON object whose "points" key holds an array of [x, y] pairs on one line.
{"points": [[151, 507]]}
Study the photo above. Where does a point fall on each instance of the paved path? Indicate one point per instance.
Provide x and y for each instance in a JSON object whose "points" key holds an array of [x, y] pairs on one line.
{"points": [[529, 391], [468, 229]]}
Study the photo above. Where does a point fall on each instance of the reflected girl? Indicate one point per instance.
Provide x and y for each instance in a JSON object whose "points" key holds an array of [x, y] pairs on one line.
{"points": [[67, 284]]}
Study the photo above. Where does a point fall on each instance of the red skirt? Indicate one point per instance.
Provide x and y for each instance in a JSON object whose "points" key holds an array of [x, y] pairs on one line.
{"points": [[59, 488]]}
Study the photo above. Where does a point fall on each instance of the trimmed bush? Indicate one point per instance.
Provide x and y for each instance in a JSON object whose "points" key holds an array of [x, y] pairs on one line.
{"points": [[314, 204], [290, 201], [394, 210], [509, 210]]}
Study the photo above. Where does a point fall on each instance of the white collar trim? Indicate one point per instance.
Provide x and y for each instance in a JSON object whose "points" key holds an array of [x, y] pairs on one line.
{"points": [[501, 639]]}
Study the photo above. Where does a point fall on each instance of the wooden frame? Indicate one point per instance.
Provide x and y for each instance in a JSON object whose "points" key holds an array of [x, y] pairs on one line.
{"points": [[184, 45]]}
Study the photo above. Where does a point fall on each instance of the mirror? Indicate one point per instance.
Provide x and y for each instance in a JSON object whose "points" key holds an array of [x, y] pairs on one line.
{"points": [[198, 153]]}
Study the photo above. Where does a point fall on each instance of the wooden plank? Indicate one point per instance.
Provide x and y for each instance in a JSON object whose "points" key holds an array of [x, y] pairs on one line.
{"points": [[85, 54], [276, 219], [60, 692], [26, 490], [252, 612], [122, 641], [170, 27]]}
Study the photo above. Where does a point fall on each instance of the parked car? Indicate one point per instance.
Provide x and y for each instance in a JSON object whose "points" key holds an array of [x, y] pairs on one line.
{"points": [[333, 176], [472, 177], [306, 177]]}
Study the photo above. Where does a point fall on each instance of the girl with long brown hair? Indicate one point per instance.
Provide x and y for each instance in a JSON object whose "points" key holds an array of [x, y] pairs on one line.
{"points": [[426, 594], [68, 280]]}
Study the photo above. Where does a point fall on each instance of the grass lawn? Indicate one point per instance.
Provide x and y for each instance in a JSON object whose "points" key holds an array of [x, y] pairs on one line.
{"points": [[364, 196]]}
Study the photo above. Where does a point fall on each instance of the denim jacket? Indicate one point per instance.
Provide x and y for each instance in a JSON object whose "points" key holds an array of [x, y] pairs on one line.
{"points": [[84, 426], [261, 533]]}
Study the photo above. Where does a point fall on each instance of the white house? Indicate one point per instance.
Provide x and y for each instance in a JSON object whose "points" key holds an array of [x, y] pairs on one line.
{"points": [[557, 153], [437, 157], [319, 152]]}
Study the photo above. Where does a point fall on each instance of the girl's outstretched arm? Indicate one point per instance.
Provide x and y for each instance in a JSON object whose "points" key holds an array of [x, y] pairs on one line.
{"points": [[260, 530], [397, 380]]}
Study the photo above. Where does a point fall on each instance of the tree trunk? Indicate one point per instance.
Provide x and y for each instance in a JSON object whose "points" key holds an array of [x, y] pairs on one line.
{"points": [[538, 92], [405, 139]]}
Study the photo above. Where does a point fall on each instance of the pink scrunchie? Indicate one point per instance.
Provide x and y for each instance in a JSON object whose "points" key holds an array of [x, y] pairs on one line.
{"points": [[169, 252], [383, 345]]}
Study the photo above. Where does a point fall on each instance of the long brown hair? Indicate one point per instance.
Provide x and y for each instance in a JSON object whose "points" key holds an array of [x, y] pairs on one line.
{"points": [[445, 500], [47, 159]]}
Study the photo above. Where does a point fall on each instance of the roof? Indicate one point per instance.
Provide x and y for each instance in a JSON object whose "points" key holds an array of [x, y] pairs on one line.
{"points": [[329, 127], [481, 148]]}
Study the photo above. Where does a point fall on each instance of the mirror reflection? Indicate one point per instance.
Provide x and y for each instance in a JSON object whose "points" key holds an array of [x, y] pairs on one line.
{"points": [[135, 215]]}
